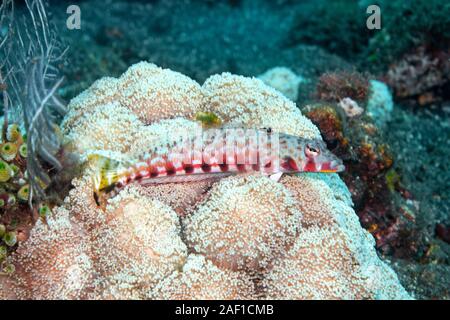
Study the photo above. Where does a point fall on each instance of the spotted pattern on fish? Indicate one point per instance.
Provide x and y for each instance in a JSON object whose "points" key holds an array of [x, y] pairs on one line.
{"points": [[218, 153]]}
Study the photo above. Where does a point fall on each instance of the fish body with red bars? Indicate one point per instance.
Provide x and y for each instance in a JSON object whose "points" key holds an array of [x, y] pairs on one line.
{"points": [[217, 153]]}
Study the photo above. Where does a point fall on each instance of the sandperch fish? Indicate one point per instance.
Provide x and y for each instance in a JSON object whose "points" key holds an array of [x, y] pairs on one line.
{"points": [[216, 153]]}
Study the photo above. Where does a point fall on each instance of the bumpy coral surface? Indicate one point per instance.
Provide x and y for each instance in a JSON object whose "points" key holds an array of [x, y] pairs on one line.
{"points": [[284, 80], [267, 223], [380, 103], [335, 86], [241, 237], [202, 279]]}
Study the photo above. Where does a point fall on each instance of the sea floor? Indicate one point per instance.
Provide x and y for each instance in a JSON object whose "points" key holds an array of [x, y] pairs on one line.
{"points": [[420, 140]]}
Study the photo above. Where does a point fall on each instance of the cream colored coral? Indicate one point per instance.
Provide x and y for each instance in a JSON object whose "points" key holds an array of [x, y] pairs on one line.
{"points": [[245, 223], [249, 102], [201, 279], [153, 93], [284, 80], [55, 262], [138, 246], [181, 197], [107, 128], [319, 266], [300, 236], [150, 93], [333, 257], [314, 199], [102, 91]]}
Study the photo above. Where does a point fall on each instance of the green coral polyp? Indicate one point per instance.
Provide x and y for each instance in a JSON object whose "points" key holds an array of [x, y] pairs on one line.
{"points": [[8, 151], [44, 211], [3, 252], [24, 193], [15, 169], [23, 151], [9, 269], [5, 171], [13, 133], [10, 238]]}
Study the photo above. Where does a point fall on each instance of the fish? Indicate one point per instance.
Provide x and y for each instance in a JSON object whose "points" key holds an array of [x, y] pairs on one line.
{"points": [[214, 154]]}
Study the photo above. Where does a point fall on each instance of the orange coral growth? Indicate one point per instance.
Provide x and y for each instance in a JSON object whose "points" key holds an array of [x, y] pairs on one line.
{"points": [[327, 119], [335, 86]]}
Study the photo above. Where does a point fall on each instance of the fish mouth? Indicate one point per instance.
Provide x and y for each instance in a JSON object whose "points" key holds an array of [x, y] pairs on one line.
{"points": [[333, 166]]}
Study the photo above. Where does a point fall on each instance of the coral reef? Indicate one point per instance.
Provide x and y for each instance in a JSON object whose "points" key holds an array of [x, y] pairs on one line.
{"points": [[134, 221], [201, 279], [358, 139], [239, 238], [242, 101], [354, 131], [318, 265], [399, 200], [380, 103], [152, 99], [31, 52], [284, 80], [317, 261], [422, 75], [268, 222], [15, 214], [54, 263], [350, 107], [367, 159], [335, 86], [37, 164], [330, 123]]}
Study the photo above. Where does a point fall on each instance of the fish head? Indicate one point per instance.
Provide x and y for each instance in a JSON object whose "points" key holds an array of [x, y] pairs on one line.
{"points": [[317, 157], [298, 154]]}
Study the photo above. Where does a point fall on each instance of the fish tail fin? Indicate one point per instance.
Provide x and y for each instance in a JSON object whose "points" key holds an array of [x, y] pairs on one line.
{"points": [[107, 173]]}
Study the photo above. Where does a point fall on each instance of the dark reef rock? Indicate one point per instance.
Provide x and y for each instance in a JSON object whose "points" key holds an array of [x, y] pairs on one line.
{"points": [[443, 232], [422, 76], [376, 189], [379, 164], [335, 86]]}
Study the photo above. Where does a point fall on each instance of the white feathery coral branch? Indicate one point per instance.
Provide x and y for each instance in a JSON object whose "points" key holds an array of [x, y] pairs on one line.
{"points": [[30, 51]]}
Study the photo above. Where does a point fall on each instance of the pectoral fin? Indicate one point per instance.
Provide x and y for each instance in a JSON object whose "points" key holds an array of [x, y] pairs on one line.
{"points": [[276, 176]]}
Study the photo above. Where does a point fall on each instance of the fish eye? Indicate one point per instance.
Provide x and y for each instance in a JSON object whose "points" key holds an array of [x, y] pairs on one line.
{"points": [[311, 151]]}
